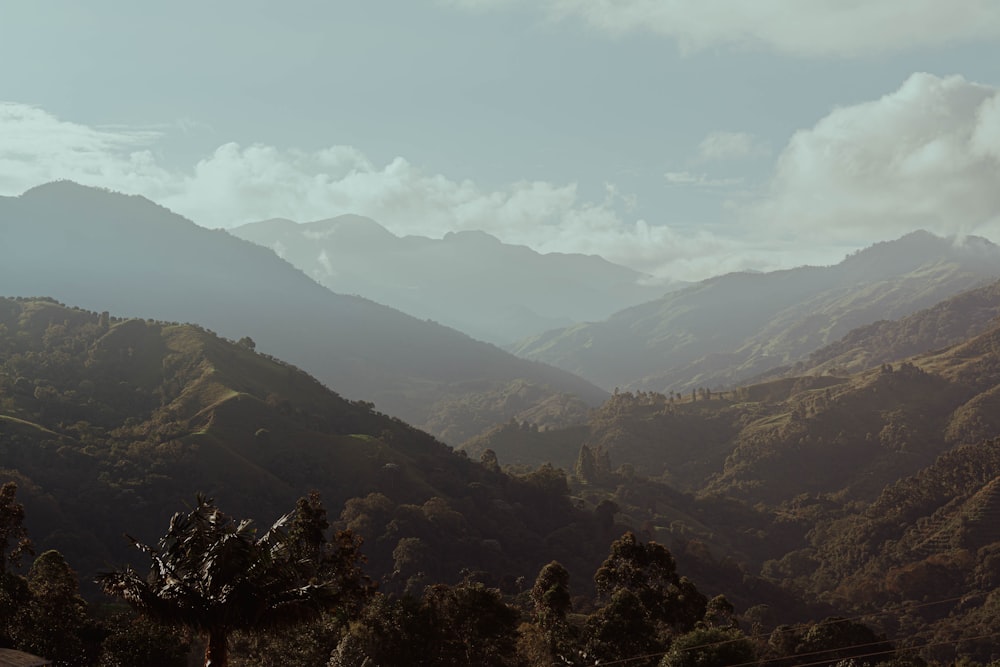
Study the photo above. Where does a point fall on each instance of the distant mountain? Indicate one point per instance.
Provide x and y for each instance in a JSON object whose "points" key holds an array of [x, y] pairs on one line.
{"points": [[108, 251], [468, 280], [733, 327]]}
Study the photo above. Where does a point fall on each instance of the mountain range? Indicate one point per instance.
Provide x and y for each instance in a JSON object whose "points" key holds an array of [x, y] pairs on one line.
{"points": [[728, 329], [467, 280], [850, 489], [108, 251]]}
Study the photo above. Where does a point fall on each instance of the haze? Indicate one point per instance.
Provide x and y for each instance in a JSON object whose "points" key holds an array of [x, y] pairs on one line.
{"points": [[679, 139]]}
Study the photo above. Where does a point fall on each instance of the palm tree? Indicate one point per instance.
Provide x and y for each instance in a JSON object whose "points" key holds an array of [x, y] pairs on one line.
{"points": [[214, 576]]}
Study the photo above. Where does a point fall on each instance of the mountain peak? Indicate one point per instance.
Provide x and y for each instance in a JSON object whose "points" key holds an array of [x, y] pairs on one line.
{"points": [[472, 237], [356, 227]]}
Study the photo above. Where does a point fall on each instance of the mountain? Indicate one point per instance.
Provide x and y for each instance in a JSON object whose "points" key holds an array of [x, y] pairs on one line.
{"points": [[111, 425], [871, 491], [468, 280], [733, 327], [946, 323], [107, 251]]}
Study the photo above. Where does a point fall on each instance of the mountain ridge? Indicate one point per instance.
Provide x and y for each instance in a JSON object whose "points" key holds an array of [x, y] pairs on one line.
{"points": [[732, 327], [108, 251], [469, 280]]}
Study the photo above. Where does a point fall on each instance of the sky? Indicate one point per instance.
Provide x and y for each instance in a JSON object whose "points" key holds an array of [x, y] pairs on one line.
{"points": [[684, 138]]}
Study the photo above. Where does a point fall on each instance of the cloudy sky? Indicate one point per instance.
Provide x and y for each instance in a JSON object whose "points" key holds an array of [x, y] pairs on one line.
{"points": [[681, 137]]}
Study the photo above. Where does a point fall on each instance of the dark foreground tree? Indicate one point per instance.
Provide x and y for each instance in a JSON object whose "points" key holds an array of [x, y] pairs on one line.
{"points": [[53, 619], [14, 541], [215, 576]]}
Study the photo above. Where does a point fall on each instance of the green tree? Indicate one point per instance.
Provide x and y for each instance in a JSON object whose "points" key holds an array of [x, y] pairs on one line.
{"points": [[215, 576], [710, 647], [14, 542], [621, 629], [650, 572], [54, 621], [550, 639], [135, 640], [647, 601]]}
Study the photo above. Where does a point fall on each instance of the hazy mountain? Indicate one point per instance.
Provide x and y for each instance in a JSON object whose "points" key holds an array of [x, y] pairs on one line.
{"points": [[733, 327], [467, 280], [102, 250]]}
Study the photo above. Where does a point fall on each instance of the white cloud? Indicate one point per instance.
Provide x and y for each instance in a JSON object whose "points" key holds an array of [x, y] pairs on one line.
{"points": [[701, 180], [925, 156], [812, 28], [730, 146], [36, 147], [237, 184]]}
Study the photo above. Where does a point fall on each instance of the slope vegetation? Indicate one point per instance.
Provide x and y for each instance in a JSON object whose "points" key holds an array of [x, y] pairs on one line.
{"points": [[111, 425]]}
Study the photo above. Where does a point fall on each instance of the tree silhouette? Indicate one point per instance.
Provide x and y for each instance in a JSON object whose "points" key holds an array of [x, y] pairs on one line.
{"points": [[14, 540], [215, 576]]}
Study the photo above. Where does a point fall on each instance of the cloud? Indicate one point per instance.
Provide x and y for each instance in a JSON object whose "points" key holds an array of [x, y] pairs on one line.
{"points": [[702, 180], [36, 147], [924, 156], [810, 28], [730, 146], [237, 184]]}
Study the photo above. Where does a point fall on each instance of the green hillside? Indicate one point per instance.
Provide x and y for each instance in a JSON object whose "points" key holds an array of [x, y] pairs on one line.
{"points": [[111, 425]]}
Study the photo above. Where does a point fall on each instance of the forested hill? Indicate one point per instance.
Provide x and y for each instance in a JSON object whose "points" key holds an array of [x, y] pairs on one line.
{"points": [[883, 486], [946, 323], [110, 426], [107, 251], [726, 330]]}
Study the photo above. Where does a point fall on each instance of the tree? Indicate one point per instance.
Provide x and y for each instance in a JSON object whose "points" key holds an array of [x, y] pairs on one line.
{"points": [[550, 639], [214, 576], [648, 602], [622, 629], [54, 620], [14, 542], [134, 640], [710, 647]]}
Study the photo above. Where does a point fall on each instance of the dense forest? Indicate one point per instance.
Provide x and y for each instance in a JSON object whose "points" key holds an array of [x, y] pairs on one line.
{"points": [[803, 520]]}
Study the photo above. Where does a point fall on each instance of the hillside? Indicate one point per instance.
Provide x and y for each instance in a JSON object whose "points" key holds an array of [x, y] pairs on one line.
{"points": [[110, 426], [727, 329], [467, 280], [946, 323], [106, 251], [794, 495], [872, 491]]}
